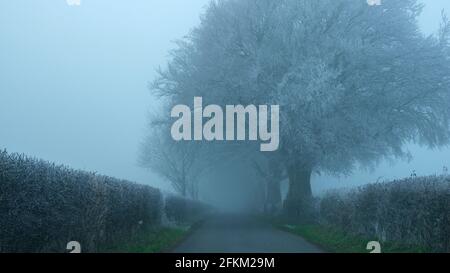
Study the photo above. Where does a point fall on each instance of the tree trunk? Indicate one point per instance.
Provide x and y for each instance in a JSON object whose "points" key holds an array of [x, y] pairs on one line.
{"points": [[298, 203], [183, 187], [273, 201]]}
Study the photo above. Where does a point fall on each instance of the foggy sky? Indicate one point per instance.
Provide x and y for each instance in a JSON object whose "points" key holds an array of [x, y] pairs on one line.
{"points": [[73, 83]]}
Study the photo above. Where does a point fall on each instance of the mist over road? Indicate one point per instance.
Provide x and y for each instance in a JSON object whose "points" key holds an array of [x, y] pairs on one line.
{"points": [[242, 234]]}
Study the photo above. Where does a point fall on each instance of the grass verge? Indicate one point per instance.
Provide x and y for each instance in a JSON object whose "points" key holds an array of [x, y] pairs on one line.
{"points": [[155, 241], [333, 240]]}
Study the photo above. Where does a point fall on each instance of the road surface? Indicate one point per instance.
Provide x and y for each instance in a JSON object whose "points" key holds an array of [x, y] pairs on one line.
{"points": [[242, 234]]}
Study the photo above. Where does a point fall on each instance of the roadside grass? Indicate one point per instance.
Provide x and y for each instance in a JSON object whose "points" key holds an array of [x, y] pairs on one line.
{"points": [[155, 241], [333, 240]]}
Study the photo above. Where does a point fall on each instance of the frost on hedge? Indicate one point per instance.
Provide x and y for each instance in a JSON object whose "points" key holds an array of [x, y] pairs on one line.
{"points": [[44, 206], [181, 210], [414, 211]]}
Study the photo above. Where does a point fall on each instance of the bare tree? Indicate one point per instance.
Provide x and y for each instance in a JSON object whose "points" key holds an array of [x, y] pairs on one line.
{"points": [[174, 161], [271, 173]]}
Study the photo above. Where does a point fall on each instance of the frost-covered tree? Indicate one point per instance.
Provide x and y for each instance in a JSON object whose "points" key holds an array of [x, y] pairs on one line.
{"points": [[354, 82], [177, 162], [271, 173]]}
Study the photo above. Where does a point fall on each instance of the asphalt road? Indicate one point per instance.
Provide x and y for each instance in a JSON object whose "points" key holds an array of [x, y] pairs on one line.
{"points": [[242, 234]]}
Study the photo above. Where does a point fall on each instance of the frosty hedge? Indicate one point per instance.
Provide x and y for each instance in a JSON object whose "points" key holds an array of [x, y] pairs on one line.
{"points": [[413, 210], [44, 206]]}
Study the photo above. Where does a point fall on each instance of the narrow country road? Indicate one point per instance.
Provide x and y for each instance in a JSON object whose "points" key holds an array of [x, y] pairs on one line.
{"points": [[242, 234]]}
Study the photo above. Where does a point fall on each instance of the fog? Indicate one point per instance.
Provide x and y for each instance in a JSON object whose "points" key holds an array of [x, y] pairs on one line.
{"points": [[73, 84]]}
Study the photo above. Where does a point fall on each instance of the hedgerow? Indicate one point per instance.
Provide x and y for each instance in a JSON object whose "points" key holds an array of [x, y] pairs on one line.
{"points": [[43, 206], [181, 210], [413, 211]]}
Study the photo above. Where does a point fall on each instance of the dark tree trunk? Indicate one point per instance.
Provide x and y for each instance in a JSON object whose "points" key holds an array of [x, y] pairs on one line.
{"points": [[298, 203], [183, 187], [273, 187], [273, 197]]}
